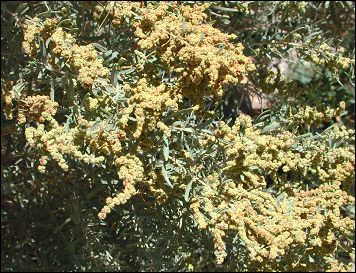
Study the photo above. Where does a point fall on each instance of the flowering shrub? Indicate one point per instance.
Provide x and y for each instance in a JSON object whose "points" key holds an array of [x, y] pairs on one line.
{"points": [[128, 124]]}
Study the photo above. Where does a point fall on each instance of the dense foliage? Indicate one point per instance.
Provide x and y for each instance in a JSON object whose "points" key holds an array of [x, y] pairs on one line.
{"points": [[131, 139]]}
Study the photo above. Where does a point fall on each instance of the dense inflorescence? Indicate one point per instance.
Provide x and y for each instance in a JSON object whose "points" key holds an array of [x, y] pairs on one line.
{"points": [[81, 58], [202, 58], [35, 107], [270, 195], [7, 95], [53, 140], [147, 104], [269, 222]]}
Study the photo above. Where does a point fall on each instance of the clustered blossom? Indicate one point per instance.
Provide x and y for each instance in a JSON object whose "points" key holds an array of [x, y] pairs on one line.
{"points": [[55, 142], [131, 172], [91, 104], [248, 207], [275, 192], [202, 57], [83, 58], [30, 44], [268, 227], [310, 115], [107, 143], [147, 103], [7, 96], [33, 30], [122, 10], [62, 43], [331, 57], [253, 156], [34, 107]]}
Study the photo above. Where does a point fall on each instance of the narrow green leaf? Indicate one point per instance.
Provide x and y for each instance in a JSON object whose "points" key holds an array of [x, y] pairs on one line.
{"points": [[127, 71], [187, 191], [64, 21], [18, 88], [113, 56], [184, 25], [113, 77], [242, 177], [201, 37], [205, 123], [225, 9], [165, 148], [48, 41], [93, 38], [280, 197], [270, 127], [166, 178], [52, 90], [304, 136], [95, 126], [62, 225], [100, 47], [22, 8], [330, 142], [71, 89], [43, 50]]}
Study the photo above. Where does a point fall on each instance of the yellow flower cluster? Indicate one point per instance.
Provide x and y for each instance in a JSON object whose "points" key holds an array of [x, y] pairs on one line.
{"points": [[294, 7], [202, 56], [253, 156], [219, 244], [250, 151], [7, 95], [108, 143], [337, 266], [147, 103], [131, 172], [326, 55], [55, 142], [122, 10], [32, 108], [63, 43], [91, 104], [341, 133], [29, 44], [310, 115], [33, 30], [154, 182], [268, 227], [276, 193], [198, 216], [83, 59]]}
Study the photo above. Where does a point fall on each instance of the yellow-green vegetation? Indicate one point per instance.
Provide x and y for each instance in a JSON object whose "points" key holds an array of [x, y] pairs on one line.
{"points": [[115, 121]]}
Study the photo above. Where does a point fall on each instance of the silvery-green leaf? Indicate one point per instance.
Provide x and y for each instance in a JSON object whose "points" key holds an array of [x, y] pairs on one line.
{"points": [[187, 191], [165, 175]]}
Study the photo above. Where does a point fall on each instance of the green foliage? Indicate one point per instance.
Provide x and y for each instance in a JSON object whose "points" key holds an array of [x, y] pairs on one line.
{"points": [[131, 140]]}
